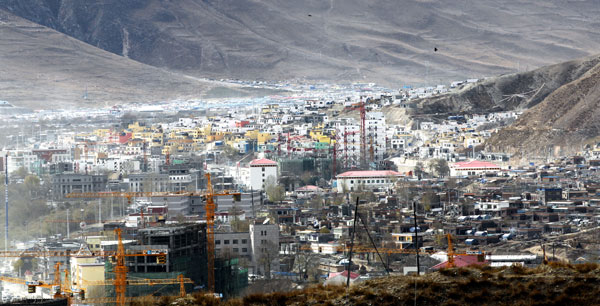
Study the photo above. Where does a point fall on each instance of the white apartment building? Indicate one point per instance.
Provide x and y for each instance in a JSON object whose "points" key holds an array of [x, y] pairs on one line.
{"points": [[375, 135], [353, 180], [260, 170]]}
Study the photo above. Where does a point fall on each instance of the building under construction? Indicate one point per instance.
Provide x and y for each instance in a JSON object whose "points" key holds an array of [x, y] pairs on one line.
{"points": [[290, 170], [176, 250]]}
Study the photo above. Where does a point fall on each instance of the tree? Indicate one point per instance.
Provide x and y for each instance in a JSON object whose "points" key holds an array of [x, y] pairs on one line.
{"points": [[18, 265], [268, 255], [419, 170], [230, 152], [238, 225], [429, 199], [307, 178], [405, 192], [32, 183], [20, 173], [316, 202], [439, 167], [324, 230], [307, 264], [275, 192]]}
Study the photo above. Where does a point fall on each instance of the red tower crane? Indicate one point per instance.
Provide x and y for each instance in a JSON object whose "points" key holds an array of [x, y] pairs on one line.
{"points": [[363, 135]]}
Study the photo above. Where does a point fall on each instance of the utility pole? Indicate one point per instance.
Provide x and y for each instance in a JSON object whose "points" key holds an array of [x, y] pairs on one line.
{"points": [[352, 243], [252, 201], [112, 208], [68, 225], [100, 211], [416, 242]]}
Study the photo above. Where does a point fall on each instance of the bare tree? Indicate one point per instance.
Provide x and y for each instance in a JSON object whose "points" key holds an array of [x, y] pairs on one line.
{"points": [[268, 255], [275, 192]]}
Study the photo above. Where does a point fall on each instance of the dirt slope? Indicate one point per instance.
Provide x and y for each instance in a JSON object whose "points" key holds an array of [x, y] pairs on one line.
{"points": [[41, 68], [561, 124]]}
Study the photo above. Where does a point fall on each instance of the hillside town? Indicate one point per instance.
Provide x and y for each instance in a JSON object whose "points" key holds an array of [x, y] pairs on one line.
{"points": [[322, 187]]}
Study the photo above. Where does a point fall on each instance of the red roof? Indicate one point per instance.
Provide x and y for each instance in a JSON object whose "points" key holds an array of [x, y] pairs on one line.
{"points": [[475, 164], [344, 274], [309, 188], [462, 261], [370, 173], [262, 162]]}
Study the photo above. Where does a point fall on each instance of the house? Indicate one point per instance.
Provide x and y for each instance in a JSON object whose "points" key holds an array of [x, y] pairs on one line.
{"points": [[340, 278], [464, 261], [474, 167], [308, 191], [354, 180]]}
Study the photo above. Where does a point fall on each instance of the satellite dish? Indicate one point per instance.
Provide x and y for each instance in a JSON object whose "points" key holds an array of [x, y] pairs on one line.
{"points": [[82, 224]]}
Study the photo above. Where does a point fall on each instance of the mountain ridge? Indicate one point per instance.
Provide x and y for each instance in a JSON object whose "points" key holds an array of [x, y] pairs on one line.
{"points": [[378, 40]]}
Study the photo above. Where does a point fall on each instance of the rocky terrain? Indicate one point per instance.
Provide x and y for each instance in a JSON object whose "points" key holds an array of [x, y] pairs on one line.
{"points": [[517, 91], [384, 41], [562, 123]]}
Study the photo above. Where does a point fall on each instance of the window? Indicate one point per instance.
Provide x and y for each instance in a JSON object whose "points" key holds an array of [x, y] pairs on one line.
{"points": [[225, 241], [236, 250], [263, 242], [235, 241], [244, 241], [217, 241]]}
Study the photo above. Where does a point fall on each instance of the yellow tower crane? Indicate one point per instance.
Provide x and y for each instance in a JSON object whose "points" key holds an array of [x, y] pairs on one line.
{"points": [[209, 196]]}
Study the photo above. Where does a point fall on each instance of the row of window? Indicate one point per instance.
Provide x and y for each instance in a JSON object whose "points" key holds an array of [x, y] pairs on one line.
{"points": [[371, 181], [237, 250], [234, 241]]}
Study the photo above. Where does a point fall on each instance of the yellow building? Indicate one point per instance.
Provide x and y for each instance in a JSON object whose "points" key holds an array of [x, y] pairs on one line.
{"points": [[85, 269]]}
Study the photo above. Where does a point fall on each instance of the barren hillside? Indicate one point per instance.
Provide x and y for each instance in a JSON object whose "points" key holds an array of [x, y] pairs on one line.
{"points": [[386, 41], [517, 91], [562, 123], [41, 68]]}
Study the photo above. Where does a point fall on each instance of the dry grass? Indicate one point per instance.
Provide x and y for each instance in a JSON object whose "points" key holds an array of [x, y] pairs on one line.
{"points": [[553, 284]]}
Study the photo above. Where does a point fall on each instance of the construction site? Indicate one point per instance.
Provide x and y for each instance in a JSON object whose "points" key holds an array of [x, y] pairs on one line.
{"points": [[119, 264]]}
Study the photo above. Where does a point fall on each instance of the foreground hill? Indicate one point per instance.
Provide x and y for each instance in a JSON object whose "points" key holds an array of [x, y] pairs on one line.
{"points": [[563, 122], [557, 284], [41, 68], [386, 41]]}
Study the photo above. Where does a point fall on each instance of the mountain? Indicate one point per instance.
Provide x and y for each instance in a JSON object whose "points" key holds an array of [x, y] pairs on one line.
{"points": [[563, 122], [389, 42], [517, 91], [41, 68]]}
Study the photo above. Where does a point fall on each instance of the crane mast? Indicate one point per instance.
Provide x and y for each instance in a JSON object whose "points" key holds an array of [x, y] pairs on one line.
{"points": [[210, 234], [120, 271]]}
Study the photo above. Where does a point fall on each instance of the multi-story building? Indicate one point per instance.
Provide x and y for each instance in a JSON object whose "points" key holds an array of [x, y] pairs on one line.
{"points": [[260, 171], [65, 183], [260, 245]]}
